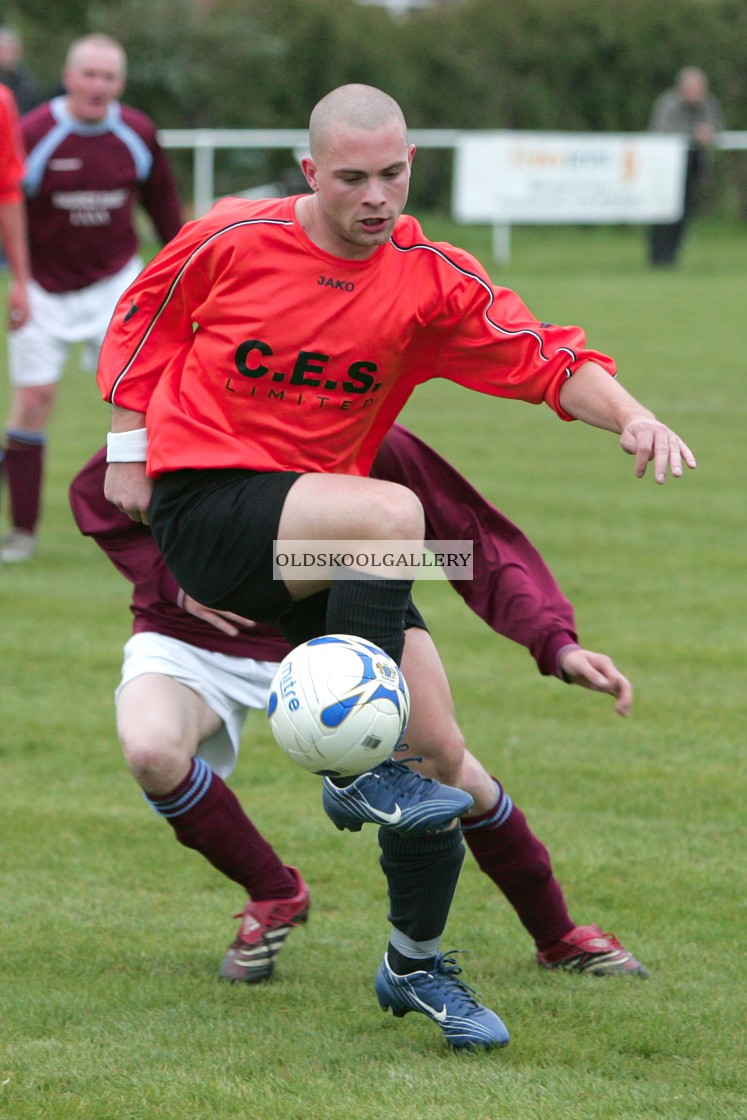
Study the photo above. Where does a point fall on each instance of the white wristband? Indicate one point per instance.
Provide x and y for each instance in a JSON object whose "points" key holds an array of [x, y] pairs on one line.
{"points": [[127, 447]]}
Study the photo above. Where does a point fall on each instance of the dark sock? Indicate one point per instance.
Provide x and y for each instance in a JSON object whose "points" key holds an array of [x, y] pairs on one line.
{"points": [[401, 965], [370, 608], [24, 470], [422, 874], [206, 815], [519, 864]]}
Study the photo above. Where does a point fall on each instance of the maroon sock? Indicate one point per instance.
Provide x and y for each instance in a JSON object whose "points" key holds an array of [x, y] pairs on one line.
{"points": [[24, 469], [519, 864], [206, 815]]}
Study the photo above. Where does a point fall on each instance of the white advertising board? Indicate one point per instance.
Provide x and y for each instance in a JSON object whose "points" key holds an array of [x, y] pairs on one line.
{"points": [[579, 177]]}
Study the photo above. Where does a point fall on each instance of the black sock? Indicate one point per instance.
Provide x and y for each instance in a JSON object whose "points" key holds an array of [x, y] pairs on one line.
{"points": [[370, 608], [422, 874], [402, 965]]}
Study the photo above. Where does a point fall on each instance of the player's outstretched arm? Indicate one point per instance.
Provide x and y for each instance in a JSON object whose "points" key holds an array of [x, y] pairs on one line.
{"points": [[599, 673], [593, 396]]}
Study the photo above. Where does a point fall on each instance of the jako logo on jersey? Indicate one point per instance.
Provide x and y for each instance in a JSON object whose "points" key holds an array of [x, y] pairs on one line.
{"points": [[339, 285], [309, 370]]}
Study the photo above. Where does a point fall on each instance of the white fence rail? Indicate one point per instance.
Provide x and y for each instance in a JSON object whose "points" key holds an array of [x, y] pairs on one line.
{"points": [[204, 142]]}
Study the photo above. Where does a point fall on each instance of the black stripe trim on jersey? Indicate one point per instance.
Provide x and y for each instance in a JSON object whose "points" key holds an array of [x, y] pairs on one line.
{"points": [[177, 278], [490, 293]]}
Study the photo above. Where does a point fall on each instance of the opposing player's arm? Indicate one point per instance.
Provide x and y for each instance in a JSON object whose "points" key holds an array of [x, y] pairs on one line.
{"points": [[598, 672], [512, 588], [129, 546], [160, 197]]}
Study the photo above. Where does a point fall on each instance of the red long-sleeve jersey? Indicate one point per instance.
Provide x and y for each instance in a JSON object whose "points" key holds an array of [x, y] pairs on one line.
{"points": [[248, 346], [11, 149], [513, 590]]}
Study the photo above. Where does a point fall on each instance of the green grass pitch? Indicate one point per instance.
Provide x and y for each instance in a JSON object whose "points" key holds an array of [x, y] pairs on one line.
{"points": [[110, 1006]]}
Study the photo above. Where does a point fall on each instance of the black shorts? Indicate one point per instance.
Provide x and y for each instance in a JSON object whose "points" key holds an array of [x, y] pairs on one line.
{"points": [[216, 530]]}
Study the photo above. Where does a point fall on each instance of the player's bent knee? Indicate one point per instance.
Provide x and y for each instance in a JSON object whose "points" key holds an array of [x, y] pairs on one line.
{"points": [[155, 764], [402, 516]]}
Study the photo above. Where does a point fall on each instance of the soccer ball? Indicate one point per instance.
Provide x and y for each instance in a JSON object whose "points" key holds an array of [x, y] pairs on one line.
{"points": [[338, 705]]}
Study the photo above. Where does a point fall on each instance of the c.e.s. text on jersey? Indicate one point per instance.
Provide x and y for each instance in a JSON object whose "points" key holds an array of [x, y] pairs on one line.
{"points": [[310, 370]]}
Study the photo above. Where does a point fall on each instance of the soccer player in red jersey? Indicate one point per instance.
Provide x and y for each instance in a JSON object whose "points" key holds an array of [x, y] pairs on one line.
{"points": [[12, 211], [90, 161], [190, 675], [261, 358]]}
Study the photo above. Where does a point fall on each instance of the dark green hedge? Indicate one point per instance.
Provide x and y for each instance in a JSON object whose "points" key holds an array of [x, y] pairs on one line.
{"points": [[554, 64]]}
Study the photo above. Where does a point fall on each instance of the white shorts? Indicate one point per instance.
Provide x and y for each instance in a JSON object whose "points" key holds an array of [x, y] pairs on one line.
{"points": [[230, 686], [37, 352]]}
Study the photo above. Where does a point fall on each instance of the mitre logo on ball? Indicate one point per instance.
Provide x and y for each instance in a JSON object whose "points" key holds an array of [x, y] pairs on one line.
{"points": [[338, 705]]}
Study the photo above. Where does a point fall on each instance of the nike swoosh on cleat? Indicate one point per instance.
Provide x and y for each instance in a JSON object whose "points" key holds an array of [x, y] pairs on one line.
{"points": [[439, 1016], [390, 818]]}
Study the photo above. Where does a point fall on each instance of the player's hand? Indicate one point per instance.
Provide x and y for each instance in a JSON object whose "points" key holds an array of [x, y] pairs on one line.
{"points": [[649, 439], [226, 621], [18, 306], [599, 673], [128, 488]]}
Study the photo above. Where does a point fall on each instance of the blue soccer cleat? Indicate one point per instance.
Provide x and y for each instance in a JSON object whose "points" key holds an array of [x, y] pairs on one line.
{"points": [[445, 999], [393, 796]]}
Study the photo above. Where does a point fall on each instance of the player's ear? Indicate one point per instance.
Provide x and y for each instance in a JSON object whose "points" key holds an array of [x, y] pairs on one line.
{"points": [[309, 169]]}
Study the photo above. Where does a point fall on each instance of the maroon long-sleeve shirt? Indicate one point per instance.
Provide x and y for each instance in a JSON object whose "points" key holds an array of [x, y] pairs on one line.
{"points": [[512, 588], [83, 183]]}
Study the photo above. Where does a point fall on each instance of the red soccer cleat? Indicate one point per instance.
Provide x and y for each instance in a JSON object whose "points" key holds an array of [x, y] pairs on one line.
{"points": [[587, 949], [264, 928]]}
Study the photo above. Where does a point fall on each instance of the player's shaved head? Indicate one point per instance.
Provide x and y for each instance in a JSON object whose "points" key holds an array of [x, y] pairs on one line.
{"points": [[358, 170], [352, 106]]}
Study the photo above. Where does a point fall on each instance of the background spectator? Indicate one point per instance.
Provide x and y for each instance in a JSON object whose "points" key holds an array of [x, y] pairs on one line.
{"points": [[690, 110], [14, 72]]}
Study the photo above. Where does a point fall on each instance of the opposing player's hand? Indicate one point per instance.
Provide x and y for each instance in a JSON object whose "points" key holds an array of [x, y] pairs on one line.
{"points": [[599, 673], [128, 488], [649, 439], [226, 621]]}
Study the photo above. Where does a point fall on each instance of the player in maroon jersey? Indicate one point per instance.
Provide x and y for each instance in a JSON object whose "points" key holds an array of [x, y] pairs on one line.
{"points": [[90, 161], [191, 674]]}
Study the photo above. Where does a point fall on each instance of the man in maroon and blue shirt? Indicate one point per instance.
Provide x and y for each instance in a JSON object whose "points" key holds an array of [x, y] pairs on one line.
{"points": [[91, 160]]}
